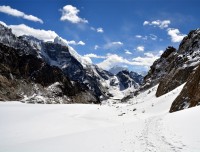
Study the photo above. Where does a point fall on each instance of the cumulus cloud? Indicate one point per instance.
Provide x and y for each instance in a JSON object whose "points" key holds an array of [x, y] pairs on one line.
{"points": [[127, 52], [91, 55], [158, 23], [146, 61], [175, 35], [146, 23], [22, 29], [75, 43], [140, 48], [14, 12], [45, 35], [113, 45], [100, 30], [70, 13], [114, 59], [88, 57]]}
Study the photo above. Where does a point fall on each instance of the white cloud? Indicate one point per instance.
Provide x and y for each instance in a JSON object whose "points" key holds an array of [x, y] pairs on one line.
{"points": [[146, 23], [75, 43], [13, 12], [140, 48], [112, 60], [151, 36], [81, 43], [175, 35], [146, 61], [127, 52], [100, 30], [138, 36], [113, 45], [22, 29], [158, 23], [91, 55], [45, 35], [70, 13], [88, 57], [161, 52], [96, 47]]}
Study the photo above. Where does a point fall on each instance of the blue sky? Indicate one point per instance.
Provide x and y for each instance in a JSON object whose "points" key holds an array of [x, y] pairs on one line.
{"points": [[130, 33]]}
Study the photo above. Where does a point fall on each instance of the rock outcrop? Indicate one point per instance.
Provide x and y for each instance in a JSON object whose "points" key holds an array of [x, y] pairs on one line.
{"points": [[174, 66], [129, 79], [160, 68], [189, 96], [186, 59], [24, 75]]}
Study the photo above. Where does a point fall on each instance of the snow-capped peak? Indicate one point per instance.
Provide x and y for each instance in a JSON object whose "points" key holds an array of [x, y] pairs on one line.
{"points": [[81, 59]]}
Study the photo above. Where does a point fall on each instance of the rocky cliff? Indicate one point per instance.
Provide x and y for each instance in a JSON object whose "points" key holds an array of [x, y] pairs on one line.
{"points": [[186, 59], [25, 75], [51, 71], [176, 67], [189, 96]]}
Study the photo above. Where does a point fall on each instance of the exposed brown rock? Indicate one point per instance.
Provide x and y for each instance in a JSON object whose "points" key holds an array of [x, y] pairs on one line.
{"points": [[173, 79], [190, 94]]}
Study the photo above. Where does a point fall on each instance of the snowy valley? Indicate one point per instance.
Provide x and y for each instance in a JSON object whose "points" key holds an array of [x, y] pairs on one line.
{"points": [[53, 99], [141, 125]]}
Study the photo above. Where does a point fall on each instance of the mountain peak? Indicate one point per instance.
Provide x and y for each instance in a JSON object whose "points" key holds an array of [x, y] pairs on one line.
{"points": [[116, 69]]}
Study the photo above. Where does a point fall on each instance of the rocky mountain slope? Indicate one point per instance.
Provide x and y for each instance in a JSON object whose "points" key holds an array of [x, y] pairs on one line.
{"points": [[189, 96], [176, 67], [24, 75], [129, 79], [83, 77]]}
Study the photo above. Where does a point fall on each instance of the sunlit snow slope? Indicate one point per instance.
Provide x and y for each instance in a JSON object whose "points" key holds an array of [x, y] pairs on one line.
{"points": [[142, 125]]}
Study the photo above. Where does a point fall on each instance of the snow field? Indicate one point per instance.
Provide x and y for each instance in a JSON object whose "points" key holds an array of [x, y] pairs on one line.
{"points": [[141, 125]]}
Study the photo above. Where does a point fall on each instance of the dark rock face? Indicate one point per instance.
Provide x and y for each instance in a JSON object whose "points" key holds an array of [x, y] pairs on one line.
{"points": [[160, 68], [173, 79], [174, 66], [19, 74], [189, 96], [60, 56], [128, 79], [138, 78], [186, 59]]}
